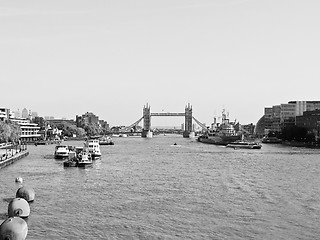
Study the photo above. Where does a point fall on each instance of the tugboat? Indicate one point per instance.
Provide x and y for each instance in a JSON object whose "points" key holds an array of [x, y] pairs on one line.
{"points": [[222, 135], [85, 159], [72, 160]]}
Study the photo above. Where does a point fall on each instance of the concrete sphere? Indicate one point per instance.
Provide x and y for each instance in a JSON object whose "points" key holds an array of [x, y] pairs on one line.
{"points": [[19, 207], [19, 180], [26, 193], [13, 228]]}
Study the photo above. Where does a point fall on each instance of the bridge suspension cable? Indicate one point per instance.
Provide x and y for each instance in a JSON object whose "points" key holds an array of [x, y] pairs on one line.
{"points": [[204, 127], [134, 124]]}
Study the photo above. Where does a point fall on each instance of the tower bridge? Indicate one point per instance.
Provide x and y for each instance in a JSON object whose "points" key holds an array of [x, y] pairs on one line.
{"points": [[147, 114]]}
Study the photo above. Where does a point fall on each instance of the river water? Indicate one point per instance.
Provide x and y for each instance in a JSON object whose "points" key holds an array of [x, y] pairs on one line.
{"points": [[152, 189]]}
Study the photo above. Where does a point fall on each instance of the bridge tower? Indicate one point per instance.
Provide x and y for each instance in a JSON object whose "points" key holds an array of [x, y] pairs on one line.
{"points": [[188, 121], [146, 122]]}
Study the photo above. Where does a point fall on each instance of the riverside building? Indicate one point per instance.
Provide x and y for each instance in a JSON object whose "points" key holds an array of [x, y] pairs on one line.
{"points": [[310, 120], [5, 114], [279, 116], [29, 131]]}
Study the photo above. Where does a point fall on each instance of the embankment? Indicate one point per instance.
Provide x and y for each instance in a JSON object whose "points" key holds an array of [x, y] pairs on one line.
{"points": [[5, 161]]}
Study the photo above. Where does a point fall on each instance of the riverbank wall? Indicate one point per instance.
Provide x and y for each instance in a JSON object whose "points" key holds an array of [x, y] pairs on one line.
{"points": [[12, 157], [301, 144]]}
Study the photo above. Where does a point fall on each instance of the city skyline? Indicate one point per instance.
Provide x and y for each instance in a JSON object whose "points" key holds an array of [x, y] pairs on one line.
{"points": [[63, 59]]}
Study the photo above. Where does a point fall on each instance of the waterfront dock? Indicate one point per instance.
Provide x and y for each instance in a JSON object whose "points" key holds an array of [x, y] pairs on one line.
{"points": [[11, 155]]}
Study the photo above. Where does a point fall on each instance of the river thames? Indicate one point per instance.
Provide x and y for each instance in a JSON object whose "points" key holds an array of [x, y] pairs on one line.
{"points": [[152, 189]]}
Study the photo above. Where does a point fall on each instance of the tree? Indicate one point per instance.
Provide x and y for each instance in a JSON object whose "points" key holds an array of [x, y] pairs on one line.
{"points": [[40, 121], [15, 133], [81, 132], [92, 130], [9, 132], [69, 129]]}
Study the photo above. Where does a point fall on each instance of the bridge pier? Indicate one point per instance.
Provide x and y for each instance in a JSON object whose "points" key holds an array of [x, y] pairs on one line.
{"points": [[188, 121], [146, 132]]}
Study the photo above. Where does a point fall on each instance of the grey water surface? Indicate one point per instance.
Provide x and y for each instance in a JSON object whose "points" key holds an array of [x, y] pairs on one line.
{"points": [[152, 189]]}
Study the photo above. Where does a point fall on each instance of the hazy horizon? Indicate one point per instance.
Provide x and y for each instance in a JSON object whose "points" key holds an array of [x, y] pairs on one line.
{"points": [[66, 58]]}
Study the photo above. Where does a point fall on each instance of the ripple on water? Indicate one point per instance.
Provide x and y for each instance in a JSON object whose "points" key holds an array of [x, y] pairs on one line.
{"points": [[148, 189]]}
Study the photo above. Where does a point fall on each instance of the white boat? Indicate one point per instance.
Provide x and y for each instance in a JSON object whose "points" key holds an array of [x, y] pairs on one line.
{"points": [[244, 144], [93, 148], [61, 152], [106, 140], [84, 158]]}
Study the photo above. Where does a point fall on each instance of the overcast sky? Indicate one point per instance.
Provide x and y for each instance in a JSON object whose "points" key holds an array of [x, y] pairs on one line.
{"points": [[63, 58]]}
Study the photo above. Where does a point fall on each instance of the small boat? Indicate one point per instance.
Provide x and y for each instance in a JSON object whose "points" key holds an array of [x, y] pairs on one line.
{"points": [[93, 147], [85, 159], [70, 163], [61, 152], [267, 139], [244, 144], [41, 142], [72, 160], [107, 140]]}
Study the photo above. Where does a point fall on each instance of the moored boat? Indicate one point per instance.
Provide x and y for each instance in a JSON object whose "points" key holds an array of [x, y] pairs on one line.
{"points": [[72, 160], [94, 148], [267, 139], [61, 152], [41, 142], [223, 133], [106, 140], [70, 163], [85, 159], [244, 144], [212, 138]]}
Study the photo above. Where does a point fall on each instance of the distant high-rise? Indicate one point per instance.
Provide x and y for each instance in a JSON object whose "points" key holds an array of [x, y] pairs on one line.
{"points": [[17, 114], [25, 113]]}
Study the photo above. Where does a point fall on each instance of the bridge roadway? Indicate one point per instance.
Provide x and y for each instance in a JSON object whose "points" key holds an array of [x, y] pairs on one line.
{"points": [[167, 114], [158, 130]]}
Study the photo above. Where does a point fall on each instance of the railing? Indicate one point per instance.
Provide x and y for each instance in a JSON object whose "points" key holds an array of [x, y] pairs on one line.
{"points": [[12, 151], [5, 145]]}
